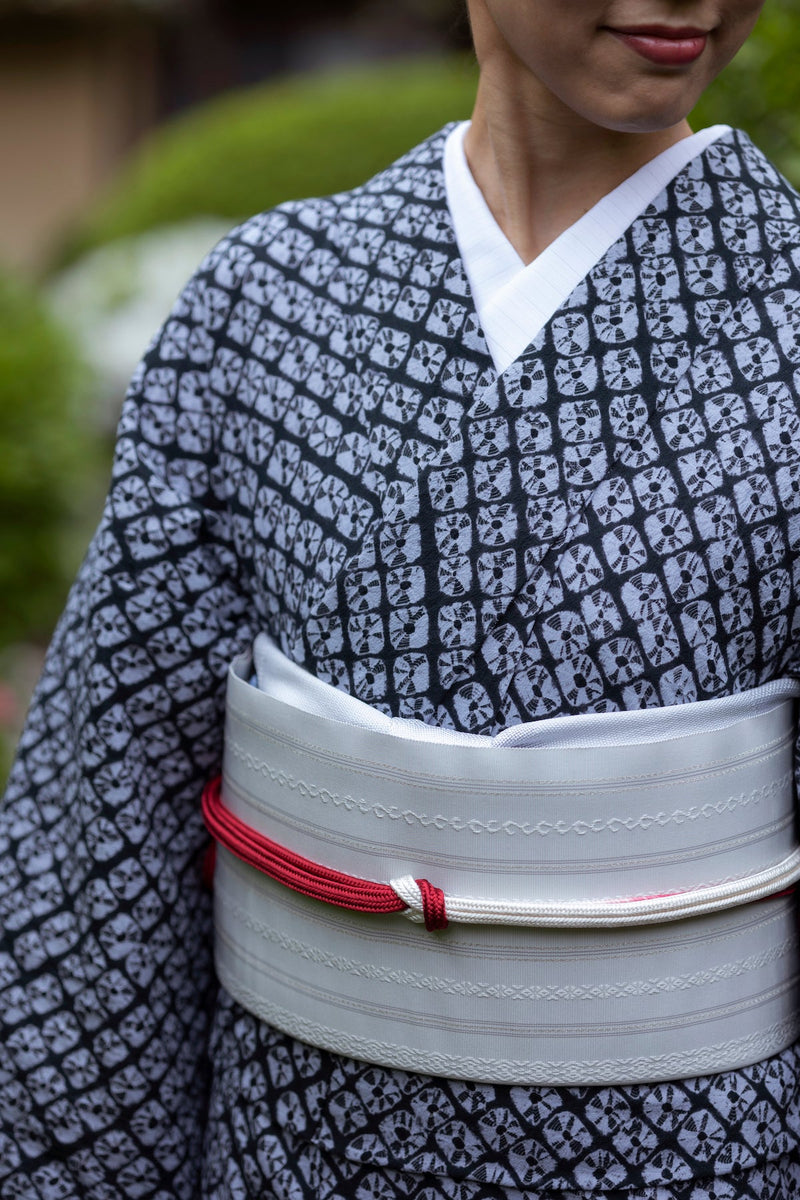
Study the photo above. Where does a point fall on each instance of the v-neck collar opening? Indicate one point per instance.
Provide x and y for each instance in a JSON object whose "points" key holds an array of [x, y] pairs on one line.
{"points": [[514, 301]]}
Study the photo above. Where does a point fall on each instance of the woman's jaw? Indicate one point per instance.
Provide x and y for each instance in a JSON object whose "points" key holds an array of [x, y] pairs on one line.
{"points": [[625, 66]]}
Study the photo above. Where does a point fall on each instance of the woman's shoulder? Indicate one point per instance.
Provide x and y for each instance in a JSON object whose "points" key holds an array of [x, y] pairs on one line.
{"points": [[308, 293], [406, 198]]}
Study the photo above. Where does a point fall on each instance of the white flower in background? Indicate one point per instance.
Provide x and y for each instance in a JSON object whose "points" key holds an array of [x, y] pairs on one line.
{"points": [[115, 298]]}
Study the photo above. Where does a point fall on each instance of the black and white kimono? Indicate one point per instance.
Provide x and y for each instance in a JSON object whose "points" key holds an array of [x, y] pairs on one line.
{"points": [[318, 445]]}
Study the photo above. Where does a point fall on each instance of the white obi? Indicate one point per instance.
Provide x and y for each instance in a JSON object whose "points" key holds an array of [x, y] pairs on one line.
{"points": [[616, 888]]}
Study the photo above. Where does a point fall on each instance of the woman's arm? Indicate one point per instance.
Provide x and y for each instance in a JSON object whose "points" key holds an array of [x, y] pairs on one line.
{"points": [[105, 954]]}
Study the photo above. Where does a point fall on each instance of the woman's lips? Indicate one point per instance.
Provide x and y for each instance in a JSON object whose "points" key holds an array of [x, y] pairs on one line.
{"points": [[667, 47]]}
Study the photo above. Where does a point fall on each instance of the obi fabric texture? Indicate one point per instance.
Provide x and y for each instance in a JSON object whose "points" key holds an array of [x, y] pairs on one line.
{"points": [[317, 444]]}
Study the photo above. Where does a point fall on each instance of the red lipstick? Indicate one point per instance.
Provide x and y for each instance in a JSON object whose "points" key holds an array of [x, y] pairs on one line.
{"points": [[663, 45]]}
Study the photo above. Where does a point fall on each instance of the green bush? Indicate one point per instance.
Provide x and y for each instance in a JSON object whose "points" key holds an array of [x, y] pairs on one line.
{"points": [[47, 461], [254, 148]]}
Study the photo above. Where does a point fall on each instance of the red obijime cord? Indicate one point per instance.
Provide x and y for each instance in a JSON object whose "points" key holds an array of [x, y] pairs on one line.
{"points": [[308, 877], [422, 901]]}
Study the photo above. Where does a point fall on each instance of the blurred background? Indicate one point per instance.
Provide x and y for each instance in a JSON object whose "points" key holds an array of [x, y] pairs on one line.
{"points": [[133, 134]]}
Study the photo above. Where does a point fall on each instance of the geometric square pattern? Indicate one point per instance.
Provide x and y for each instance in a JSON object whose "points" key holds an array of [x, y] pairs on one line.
{"points": [[317, 444]]}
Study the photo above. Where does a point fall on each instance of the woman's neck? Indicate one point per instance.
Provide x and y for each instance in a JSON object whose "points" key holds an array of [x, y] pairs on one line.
{"points": [[541, 168]]}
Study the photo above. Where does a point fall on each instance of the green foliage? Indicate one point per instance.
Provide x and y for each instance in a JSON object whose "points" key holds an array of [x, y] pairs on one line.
{"points": [[46, 455], [760, 90], [308, 136]]}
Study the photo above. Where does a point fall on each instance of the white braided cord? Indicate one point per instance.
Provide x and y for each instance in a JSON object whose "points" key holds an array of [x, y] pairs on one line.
{"points": [[408, 889], [607, 914]]}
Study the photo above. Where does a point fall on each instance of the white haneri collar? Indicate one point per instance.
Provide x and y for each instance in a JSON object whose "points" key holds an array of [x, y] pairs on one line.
{"points": [[513, 301]]}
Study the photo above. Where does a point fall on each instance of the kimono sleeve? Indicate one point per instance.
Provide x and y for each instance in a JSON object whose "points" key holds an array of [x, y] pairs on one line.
{"points": [[106, 978]]}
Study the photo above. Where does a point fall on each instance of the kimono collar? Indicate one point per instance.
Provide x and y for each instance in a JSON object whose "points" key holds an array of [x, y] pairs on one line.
{"points": [[513, 301]]}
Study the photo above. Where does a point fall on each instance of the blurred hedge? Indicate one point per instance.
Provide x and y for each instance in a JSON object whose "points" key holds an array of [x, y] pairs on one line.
{"points": [[47, 457], [254, 148]]}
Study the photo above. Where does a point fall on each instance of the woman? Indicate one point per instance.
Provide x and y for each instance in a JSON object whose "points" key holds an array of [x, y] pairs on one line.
{"points": [[329, 441]]}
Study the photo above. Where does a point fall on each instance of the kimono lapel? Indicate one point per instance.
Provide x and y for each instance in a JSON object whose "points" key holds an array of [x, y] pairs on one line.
{"points": [[614, 384], [492, 521], [516, 301]]}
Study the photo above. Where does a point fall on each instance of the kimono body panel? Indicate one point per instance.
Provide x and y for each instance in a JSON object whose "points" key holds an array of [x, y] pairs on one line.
{"points": [[317, 444]]}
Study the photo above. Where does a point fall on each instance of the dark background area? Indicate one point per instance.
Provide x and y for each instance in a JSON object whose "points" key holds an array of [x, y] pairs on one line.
{"points": [[82, 82], [229, 42]]}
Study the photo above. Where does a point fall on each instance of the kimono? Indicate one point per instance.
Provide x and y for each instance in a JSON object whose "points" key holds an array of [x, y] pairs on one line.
{"points": [[318, 444]]}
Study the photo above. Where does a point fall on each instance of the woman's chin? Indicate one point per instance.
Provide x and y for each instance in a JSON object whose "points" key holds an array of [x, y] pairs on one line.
{"points": [[654, 113]]}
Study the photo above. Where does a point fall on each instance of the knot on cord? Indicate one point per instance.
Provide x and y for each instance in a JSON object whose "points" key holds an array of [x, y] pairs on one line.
{"points": [[423, 901], [434, 909]]}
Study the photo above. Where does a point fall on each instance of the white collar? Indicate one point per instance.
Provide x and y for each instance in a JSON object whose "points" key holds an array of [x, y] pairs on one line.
{"points": [[513, 301]]}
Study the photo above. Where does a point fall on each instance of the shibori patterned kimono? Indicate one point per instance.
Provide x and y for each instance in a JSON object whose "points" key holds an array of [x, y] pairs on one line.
{"points": [[599, 513]]}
